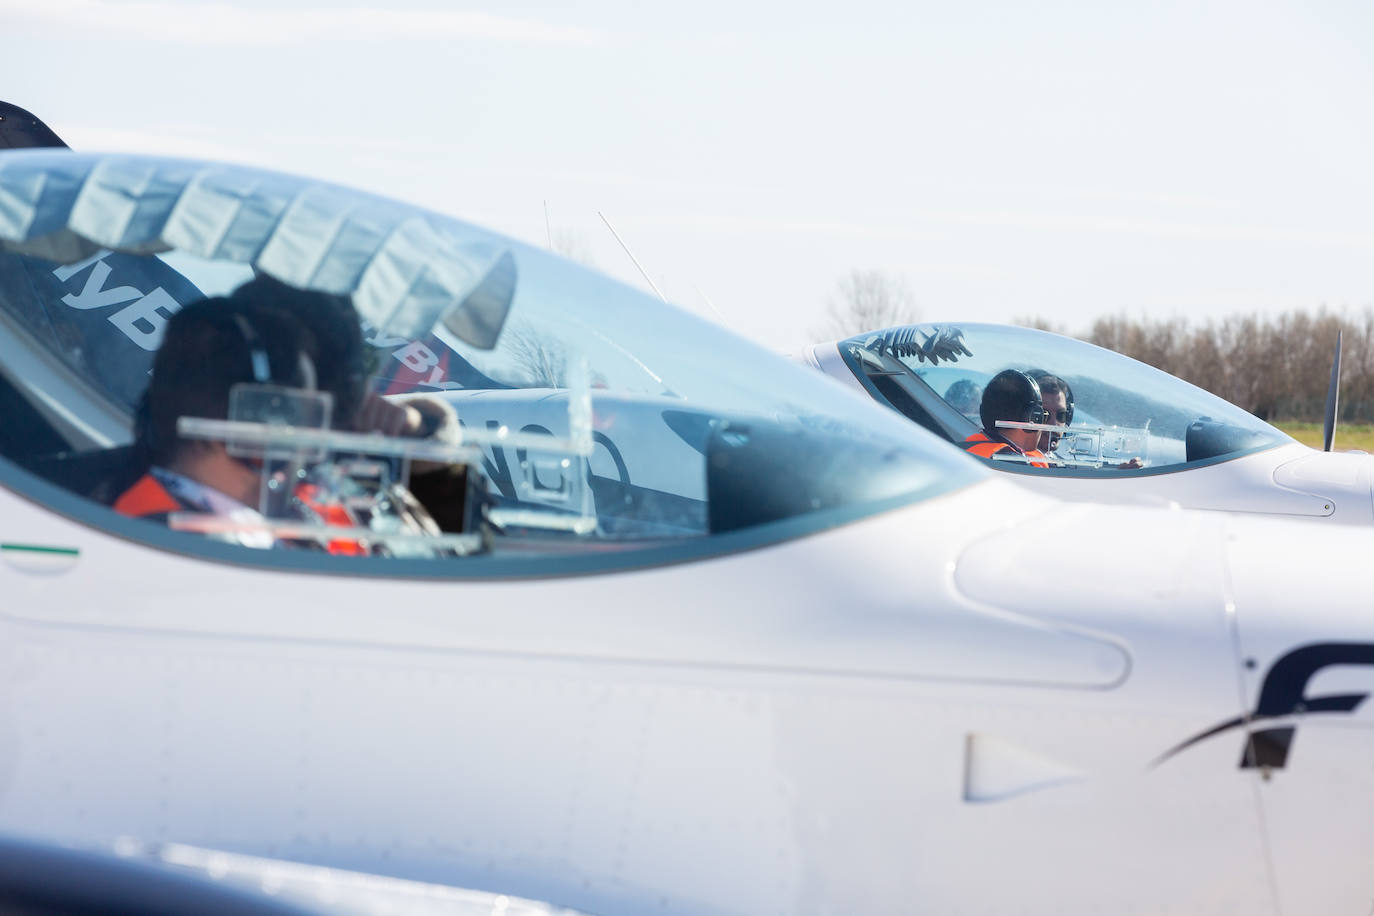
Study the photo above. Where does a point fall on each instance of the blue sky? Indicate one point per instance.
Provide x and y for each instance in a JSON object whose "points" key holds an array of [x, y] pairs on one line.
{"points": [[1065, 160]]}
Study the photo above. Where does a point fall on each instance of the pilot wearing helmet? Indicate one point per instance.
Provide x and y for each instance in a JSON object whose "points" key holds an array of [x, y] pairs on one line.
{"points": [[436, 494], [343, 362], [1013, 397], [208, 348], [307, 347]]}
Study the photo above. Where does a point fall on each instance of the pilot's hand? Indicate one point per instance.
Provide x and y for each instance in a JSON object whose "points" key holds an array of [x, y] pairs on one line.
{"points": [[378, 415], [416, 416], [1132, 464], [438, 420]]}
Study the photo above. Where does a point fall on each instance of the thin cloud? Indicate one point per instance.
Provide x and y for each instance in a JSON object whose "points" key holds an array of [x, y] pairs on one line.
{"points": [[1152, 198], [157, 142], [955, 269], [933, 224], [1070, 222], [624, 180], [224, 24], [1146, 197], [826, 227]]}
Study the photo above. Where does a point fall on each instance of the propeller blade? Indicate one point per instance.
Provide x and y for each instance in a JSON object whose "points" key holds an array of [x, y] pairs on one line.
{"points": [[1329, 428]]}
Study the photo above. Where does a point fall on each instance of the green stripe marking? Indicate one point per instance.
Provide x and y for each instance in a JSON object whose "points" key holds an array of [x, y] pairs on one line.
{"points": [[37, 548]]}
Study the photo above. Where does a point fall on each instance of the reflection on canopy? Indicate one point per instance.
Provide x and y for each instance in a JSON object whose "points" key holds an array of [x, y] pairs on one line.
{"points": [[404, 272]]}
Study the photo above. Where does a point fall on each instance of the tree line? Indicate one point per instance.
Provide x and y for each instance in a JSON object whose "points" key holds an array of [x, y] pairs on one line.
{"points": [[1276, 367]]}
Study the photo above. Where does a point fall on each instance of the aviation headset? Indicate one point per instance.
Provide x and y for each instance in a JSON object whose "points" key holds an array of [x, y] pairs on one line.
{"points": [[1011, 395], [262, 365], [343, 361], [181, 380]]}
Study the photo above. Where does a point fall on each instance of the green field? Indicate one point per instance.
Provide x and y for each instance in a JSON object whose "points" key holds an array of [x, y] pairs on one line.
{"points": [[1348, 436]]}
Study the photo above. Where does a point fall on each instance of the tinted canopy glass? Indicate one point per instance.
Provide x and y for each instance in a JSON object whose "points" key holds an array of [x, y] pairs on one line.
{"points": [[586, 416], [1103, 413]]}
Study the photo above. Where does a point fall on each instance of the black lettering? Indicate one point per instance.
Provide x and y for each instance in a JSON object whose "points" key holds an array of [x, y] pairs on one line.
{"points": [[1284, 693]]}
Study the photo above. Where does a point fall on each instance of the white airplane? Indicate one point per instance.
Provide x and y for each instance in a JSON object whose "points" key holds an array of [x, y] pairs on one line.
{"points": [[1130, 434], [717, 637]]}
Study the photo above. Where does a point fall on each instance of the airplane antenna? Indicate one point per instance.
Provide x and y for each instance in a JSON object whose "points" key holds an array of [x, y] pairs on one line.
{"points": [[642, 272], [1329, 427], [548, 229], [707, 299]]}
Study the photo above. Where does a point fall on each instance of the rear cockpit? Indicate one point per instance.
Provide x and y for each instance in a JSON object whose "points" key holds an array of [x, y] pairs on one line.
{"points": [[1088, 411]]}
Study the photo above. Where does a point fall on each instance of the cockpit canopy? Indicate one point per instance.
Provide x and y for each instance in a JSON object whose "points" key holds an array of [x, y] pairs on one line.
{"points": [[1123, 417], [591, 414]]}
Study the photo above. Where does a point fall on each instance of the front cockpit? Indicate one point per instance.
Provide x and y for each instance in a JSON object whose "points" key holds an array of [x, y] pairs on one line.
{"points": [[483, 399]]}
